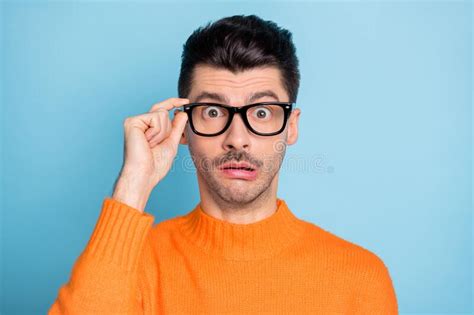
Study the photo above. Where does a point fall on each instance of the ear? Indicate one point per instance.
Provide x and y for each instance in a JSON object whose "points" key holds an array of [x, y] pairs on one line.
{"points": [[184, 139], [292, 134]]}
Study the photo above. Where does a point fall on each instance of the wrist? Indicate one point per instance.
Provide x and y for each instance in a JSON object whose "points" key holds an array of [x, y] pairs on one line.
{"points": [[133, 191]]}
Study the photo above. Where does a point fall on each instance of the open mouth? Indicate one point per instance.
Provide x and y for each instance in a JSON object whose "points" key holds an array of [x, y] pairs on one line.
{"points": [[238, 168], [238, 165], [243, 171]]}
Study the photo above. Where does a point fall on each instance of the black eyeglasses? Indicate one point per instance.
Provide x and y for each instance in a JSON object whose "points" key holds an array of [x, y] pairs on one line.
{"points": [[264, 119]]}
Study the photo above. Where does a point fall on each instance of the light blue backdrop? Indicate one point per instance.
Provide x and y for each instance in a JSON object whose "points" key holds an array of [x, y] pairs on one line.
{"points": [[383, 159]]}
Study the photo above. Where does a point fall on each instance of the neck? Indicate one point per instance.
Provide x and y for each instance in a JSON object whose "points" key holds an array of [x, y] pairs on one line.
{"points": [[256, 210]]}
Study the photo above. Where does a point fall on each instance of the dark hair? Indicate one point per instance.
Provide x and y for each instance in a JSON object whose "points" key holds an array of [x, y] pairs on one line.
{"points": [[239, 43]]}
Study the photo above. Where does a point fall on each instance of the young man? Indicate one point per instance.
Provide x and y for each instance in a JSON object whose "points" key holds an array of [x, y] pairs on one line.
{"points": [[241, 250]]}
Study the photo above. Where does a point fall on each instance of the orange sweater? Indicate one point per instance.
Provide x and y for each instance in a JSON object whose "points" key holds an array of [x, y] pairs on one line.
{"points": [[196, 263]]}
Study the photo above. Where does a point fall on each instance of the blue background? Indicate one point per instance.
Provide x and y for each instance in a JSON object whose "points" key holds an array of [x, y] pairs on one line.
{"points": [[384, 157]]}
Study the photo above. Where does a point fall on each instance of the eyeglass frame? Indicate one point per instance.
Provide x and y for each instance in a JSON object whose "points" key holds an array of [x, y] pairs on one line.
{"points": [[242, 110]]}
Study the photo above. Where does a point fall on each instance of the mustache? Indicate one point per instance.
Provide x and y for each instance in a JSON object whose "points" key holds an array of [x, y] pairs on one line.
{"points": [[236, 156]]}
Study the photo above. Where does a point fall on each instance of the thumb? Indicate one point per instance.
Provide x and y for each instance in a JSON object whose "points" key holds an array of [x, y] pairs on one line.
{"points": [[177, 127]]}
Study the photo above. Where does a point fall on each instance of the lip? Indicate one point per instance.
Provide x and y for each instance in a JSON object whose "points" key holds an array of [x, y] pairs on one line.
{"points": [[237, 165], [239, 173]]}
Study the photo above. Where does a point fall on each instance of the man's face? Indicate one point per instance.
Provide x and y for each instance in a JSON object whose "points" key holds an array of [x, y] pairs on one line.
{"points": [[237, 143]]}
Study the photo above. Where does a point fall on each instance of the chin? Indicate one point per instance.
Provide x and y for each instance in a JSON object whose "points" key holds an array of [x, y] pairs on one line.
{"points": [[239, 191], [237, 198]]}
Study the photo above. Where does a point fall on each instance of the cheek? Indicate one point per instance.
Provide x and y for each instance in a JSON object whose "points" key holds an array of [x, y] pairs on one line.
{"points": [[274, 153], [267, 152], [203, 147], [278, 145]]}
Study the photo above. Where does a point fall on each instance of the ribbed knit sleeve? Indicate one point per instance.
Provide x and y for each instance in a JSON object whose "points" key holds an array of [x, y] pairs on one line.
{"points": [[104, 277]]}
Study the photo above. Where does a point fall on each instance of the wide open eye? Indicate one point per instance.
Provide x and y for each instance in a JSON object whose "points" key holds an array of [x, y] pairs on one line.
{"points": [[261, 113], [210, 112]]}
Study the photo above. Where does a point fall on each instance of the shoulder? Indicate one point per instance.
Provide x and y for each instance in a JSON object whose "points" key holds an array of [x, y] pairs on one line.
{"points": [[341, 250], [166, 230], [359, 270], [168, 225]]}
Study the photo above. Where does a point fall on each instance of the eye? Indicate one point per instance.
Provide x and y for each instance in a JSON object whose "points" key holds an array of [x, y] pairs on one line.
{"points": [[212, 112], [262, 113]]}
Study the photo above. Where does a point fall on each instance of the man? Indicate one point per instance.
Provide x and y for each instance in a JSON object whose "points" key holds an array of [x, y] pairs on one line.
{"points": [[241, 249]]}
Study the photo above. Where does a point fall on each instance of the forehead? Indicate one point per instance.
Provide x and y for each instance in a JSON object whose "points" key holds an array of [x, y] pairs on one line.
{"points": [[242, 87]]}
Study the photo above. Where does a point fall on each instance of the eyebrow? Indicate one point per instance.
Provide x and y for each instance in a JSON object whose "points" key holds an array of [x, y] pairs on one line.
{"points": [[223, 99]]}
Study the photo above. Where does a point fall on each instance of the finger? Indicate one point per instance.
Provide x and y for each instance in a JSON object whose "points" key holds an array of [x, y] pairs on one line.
{"points": [[142, 122], [156, 136], [170, 103], [152, 122], [162, 117], [162, 109], [165, 129], [150, 132], [177, 127]]}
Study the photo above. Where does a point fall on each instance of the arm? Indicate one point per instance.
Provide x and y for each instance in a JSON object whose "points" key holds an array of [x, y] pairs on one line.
{"points": [[104, 277]]}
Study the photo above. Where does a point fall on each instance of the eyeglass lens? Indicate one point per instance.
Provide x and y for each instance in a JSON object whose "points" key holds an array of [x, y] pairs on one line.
{"points": [[210, 119]]}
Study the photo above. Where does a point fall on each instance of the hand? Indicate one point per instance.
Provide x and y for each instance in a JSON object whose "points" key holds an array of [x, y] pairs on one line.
{"points": [[150, 146]]}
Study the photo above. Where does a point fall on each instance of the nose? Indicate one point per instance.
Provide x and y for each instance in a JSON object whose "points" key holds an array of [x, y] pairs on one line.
{"points": [[237, 136]]}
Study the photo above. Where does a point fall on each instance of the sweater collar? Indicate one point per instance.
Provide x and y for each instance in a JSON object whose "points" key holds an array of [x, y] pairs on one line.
{"points": [[231, 241]]}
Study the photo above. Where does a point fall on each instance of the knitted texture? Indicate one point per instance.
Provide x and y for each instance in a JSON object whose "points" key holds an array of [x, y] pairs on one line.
{"points": [[197, 264]]}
